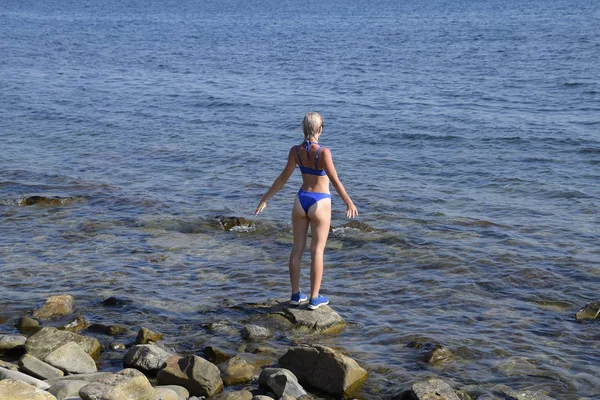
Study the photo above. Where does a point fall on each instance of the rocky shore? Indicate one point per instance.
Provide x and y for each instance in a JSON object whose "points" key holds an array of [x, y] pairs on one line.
{"points": [[47, 362]]}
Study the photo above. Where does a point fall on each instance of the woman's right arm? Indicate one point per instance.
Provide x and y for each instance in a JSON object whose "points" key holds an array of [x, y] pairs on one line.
{"points": [[351, 210]]}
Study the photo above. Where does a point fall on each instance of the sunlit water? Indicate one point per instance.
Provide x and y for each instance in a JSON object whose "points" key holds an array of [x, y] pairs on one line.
{"points": [[465, 132]]}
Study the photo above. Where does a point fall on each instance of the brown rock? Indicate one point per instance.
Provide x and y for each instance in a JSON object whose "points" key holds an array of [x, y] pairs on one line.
{"points": [[77, 325], [128, 384], [18, 390], [242, 368], [56, 307], [146, 336], [200, 377], [215, 355], [27, 325], [49, 339]]}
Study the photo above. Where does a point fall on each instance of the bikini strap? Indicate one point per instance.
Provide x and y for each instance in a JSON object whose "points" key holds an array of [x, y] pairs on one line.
{"points": [[299, 159], [307, 144], [317, 158]]}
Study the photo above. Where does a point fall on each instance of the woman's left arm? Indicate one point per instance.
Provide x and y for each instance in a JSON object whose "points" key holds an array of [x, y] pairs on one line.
{"points": [[280, 181]]}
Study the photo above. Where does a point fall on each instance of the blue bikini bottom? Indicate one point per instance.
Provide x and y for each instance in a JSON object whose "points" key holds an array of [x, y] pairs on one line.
{"points": [[307, 199]]}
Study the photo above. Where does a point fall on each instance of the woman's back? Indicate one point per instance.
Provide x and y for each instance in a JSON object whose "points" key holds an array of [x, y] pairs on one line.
{"points": [[309, 157]]}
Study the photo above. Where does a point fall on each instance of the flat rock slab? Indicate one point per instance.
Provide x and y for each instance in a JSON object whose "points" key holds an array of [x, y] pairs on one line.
{"points": [[56, 307], [48, 339], [19, 376], [128, 384], [18, 390], [324, 319], [9, 342], [434, 389], [38, 368]]}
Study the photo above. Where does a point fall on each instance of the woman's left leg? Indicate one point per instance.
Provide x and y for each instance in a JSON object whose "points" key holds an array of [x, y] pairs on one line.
{"points": [[320, 222], [300, 229]]}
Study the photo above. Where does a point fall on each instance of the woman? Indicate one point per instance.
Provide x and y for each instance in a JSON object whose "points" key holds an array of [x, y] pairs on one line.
{"points": [[311, 207]]}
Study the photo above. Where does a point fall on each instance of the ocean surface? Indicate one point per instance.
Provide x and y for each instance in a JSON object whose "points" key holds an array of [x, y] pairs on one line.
{"points": [[466, 132]]}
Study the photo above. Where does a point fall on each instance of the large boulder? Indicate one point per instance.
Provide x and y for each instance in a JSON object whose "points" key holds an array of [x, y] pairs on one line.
{"points": [[72, 359], [19, 376], [67, 388], [128, 384], [200, 377], [324, 319], [18, 390], [10, 342], [282, 382], [39, 369], [48, 339], [324, 369], [433, 389], [56, 307], [242, 368], [147, 358], [589, 311]]}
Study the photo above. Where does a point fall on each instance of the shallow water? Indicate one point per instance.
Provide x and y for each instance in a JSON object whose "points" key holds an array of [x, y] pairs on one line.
{"points": [[466, 133]]}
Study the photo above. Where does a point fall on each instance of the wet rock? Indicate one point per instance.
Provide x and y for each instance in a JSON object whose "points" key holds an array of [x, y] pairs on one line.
{"points": [[28, 325], [433, 389], [361, 226], [10, 342], [8, 365], [510, 394], [67, 388], [239, 395], [282, 382], [432, 353], [17, 390], [324, 319], [219, 327], [127, 384], [324, 369], [115, 346], [231, 223], [147, 358], [38, 369], [110, 330], [589, 311], [115, 302], [215, 355], [255, 332], [462, 395], [77, 325], [19, 376], [164, 393], [46, 201], [182, 392], [200, 377], [146, 336], [72, 359], [242, 368], [48, 339], [56, 307]]}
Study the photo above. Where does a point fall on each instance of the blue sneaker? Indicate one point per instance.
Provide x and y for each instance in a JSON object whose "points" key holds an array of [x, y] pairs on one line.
{"points": [[298, 298], [316, 302]]}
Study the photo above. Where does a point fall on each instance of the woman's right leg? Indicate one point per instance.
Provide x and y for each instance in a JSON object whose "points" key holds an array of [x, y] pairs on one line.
{"points": [[320, 222], [300, 224]]}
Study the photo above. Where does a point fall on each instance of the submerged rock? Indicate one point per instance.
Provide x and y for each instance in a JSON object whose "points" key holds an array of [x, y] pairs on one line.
{"points": [[115, 302], [48, 339], [56, 307], [110, 330], [242, 368], [432, 353], [125, 384], [511, 394], [18, 390], [47, 201], [589, 311], [324, 369], [433, 389], [146, 336], [200, 377], [361, 226], [230, 223]]}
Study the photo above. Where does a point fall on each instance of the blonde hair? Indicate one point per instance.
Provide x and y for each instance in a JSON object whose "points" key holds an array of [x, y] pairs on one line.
{"points": [[311, 124]]}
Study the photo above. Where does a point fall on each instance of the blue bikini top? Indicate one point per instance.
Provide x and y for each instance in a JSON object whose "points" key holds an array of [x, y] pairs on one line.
{"points": [[308, 170]]}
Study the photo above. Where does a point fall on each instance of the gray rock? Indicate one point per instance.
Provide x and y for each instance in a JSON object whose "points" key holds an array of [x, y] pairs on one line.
{"points": [[148, 358], [8, 365], [239, 395], [589, 311], [215, 355], [242, 368], [255, 332], [164, 393], [39, 369], [18, 390], [80, 377], [200, 377], [56, 307], [511, 394], [27, 325], [262, 397], [282, 382], [127, 384], [9, 342], [67, 388], [19, 376], [324, 319], [146, 336], [324, 369], [72, 359], [433, 389], [182, 392], [49, 339]]}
